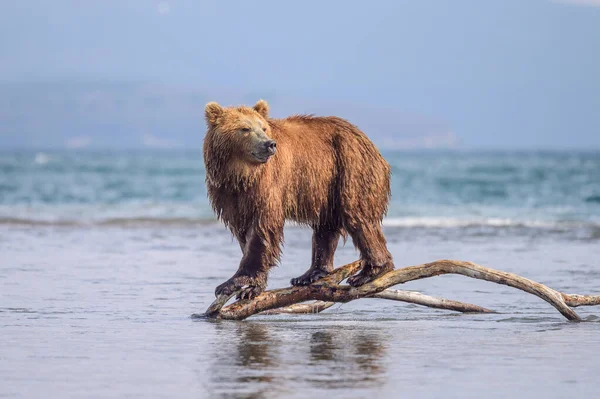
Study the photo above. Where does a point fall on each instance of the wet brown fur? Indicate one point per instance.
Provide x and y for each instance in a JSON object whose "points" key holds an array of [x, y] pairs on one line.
{"points": [[325, 174]]}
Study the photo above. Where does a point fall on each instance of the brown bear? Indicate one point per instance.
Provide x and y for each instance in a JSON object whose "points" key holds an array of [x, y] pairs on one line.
{"points": [[318, 171]]}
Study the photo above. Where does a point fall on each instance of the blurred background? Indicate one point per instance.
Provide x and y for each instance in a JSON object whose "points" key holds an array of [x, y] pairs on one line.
{"points": [[101, 103], [462, 74]]}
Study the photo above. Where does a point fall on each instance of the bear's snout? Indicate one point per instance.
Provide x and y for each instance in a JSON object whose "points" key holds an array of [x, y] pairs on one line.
{"points": [[271, 146], [264, 149]]}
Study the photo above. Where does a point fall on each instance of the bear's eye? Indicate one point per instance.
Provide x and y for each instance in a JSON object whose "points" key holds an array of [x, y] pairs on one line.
{"points": [[265, 129], [245, 129]]}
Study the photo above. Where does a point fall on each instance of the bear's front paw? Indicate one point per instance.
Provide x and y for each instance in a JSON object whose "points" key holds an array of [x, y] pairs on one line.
{"points": [[227, 288], [309, 277], [246, 287]]}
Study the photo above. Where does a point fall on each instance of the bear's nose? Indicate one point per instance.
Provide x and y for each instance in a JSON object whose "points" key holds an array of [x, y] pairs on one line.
{"points": [[271, 146]]}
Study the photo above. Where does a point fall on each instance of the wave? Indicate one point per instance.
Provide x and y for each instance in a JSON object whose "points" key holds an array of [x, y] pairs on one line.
{"points": [[108, 222], [391, 222], [450, 222]]}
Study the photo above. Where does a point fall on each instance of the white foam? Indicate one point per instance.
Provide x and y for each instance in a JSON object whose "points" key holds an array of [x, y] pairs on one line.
{"points": [[41, 158], [463, 222]]}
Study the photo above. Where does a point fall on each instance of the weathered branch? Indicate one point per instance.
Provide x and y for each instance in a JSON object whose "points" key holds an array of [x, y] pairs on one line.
{"points": [[395, 295], [429, 301], [326, 291]]}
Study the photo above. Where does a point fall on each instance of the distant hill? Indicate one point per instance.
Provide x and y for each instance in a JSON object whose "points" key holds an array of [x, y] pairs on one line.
{"points": [[127, 115]]}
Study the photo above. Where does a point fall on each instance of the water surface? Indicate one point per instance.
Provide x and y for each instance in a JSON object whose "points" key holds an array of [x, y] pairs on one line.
{"points": [[104, 259]]}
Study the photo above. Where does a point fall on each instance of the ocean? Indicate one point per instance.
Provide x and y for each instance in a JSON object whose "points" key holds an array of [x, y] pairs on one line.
{"points": [[105, 255], [430, 189]]}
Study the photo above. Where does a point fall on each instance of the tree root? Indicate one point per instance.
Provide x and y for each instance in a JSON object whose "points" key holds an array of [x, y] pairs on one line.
{"points": [[327, 291]]}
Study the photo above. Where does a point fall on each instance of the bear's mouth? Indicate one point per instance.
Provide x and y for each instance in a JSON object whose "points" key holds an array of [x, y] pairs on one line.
{"points": [[262, 158]]}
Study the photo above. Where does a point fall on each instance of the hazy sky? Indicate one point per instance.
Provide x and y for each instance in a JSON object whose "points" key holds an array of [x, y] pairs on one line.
{"points": [[499, 73]]}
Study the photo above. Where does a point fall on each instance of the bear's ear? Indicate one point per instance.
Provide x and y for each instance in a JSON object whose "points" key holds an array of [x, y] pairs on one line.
{"points": [[262, 108], [212, 112]]}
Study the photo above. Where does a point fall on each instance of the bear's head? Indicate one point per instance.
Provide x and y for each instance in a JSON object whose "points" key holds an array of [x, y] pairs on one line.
{"points": [[238, 138]]}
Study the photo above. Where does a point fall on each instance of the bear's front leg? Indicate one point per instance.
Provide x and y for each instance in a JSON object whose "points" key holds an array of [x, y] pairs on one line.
{"points": [[260, 254]]}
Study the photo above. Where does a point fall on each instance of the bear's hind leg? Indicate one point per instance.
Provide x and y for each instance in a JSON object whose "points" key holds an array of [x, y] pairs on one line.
{"points": [[324, 243], [375, 257]]}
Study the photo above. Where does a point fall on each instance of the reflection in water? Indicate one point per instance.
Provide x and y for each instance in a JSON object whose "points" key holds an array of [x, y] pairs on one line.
{"points": [[259, 359], [246, 361], [254, 351], [369, 351], [322, 347], [354, 358]]}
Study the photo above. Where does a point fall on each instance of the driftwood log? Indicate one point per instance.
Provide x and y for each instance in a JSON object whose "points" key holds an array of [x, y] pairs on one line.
{"points": [[327, 291]]}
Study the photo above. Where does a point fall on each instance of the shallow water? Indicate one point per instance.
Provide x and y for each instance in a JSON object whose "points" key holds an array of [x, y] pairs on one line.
{"points": [[104, 256], [99, 312]]}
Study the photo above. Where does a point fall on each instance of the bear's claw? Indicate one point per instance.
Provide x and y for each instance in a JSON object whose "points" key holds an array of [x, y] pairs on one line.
{"points": [[359, 279], [227, 288], [249, 292], [247, 287], [309, 277], [367, 275]]}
